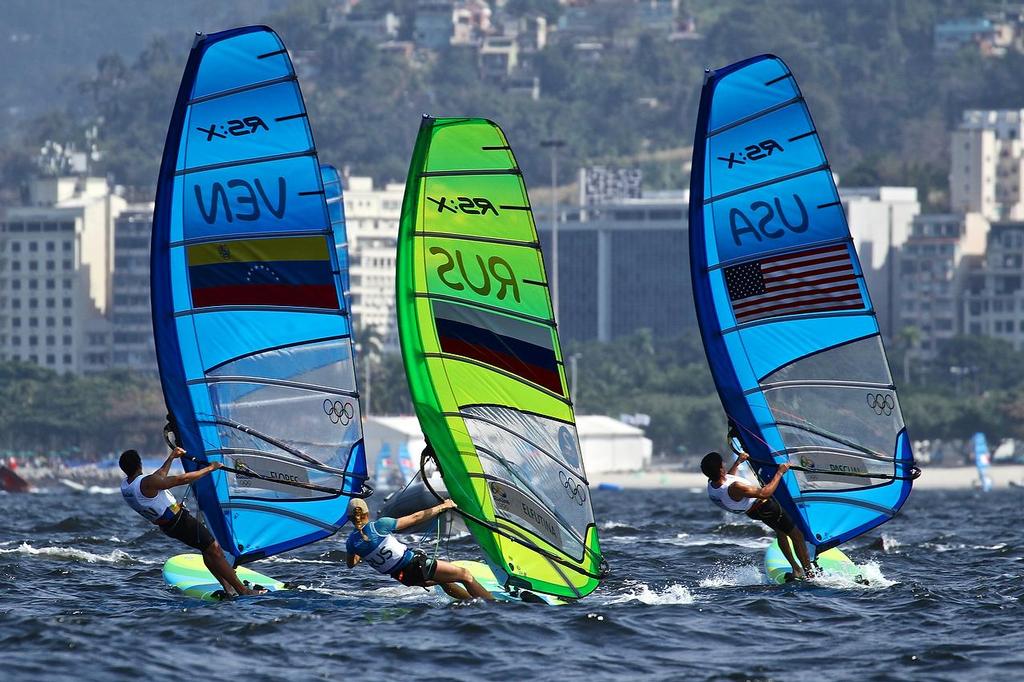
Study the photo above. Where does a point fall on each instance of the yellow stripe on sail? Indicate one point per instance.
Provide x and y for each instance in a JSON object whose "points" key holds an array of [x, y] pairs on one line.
{"points": [[259, 250]]}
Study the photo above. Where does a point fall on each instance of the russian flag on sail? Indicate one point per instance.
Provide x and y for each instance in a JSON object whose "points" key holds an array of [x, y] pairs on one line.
{"points": [[525, 349], [809, 281], [290, 271]]}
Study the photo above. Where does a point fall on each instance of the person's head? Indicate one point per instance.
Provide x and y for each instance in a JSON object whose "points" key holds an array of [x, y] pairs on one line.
{"points": [[359, 514], [130, 462], [711, 465]]}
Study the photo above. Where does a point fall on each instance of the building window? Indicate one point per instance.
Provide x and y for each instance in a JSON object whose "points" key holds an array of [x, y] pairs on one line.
{"points": [[33, 247], [66, 321], [16, 322], [68, 265], [67, 359], [51, 341], [66, 340], [15, 340], [51, 303], [51, 284], [66, 246], [51, 359], [67, 302], [16, 266], [16, 247], [67, 284], [51, 322], [51, 265], [33, 321], [51, 247]]}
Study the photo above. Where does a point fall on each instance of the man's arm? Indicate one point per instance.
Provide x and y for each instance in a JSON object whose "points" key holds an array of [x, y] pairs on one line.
{"points": [[741, 457], [425, 515], [166, 466], [762, 493], [156, 482]]}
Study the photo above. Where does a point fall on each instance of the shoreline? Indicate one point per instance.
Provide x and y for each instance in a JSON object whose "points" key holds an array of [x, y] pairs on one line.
{"points": [[932, 478]]}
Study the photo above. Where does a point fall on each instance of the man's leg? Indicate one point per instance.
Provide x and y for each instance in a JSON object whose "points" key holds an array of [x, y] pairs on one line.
{"points": [[450, 573], [787, 551], [213, 557], [801, 549], [211, 567]]}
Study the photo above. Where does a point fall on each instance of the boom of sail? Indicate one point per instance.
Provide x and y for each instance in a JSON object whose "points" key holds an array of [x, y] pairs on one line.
{"points": [[252, 329], [788, 326], [484, 364]]}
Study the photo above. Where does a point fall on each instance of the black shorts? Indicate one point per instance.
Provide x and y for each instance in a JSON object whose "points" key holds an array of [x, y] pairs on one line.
{"points": [[417, 572], [773, 515], [187, 529]]}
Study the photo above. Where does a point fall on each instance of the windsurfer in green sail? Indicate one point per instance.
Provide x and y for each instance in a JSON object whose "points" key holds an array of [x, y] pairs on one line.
{"points": [[735, 495], [150, 496], [375, 543]]}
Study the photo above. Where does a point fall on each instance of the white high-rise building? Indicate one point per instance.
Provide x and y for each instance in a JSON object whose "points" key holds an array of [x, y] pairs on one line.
{"points": [[880, 220], [132, 345], [55, 255], [933, 270], [371, 220], [987, 164]]}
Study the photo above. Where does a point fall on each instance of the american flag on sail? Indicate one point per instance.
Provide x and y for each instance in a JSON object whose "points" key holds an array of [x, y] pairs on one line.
{"points": [[811, 281]]}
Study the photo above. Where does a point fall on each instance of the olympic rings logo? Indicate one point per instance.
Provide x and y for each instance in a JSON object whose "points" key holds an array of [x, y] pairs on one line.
{"points": [[339, 412], [573, 489], [881, 403]]}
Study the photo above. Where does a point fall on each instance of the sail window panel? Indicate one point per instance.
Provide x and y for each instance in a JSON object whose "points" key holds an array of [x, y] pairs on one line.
{"points": [[861, 361], [240, 61], [262, 122], [557, 440], [824, 467], [749, 90], [326, 363], [491, 206], [320, 426], [837, 416], [278, 479], [527, 491]]}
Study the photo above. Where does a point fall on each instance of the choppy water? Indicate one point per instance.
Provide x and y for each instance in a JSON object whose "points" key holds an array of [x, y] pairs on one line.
{"points": [[81, 595]]}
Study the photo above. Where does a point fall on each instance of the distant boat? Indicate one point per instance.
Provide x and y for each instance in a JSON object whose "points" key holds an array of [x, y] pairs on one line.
{"points": [[12, 482]]}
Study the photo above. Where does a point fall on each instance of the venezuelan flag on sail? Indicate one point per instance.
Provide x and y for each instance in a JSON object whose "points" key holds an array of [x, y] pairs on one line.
{"points": [[291, 272]]}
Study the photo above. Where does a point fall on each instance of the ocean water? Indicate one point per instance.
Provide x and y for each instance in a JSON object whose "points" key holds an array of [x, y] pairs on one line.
{"points": [[81, 596]]}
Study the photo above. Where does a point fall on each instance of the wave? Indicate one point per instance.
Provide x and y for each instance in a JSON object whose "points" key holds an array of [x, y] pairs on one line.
{"points": [[685, 540], [734, 576], [114, 557], [642, 592]]}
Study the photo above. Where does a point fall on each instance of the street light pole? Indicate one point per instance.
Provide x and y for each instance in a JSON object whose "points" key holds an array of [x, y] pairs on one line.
{"points": [[574, 368], [553, 145]]}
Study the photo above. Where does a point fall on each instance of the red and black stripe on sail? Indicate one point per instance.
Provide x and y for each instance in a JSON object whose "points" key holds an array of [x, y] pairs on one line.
{"points": [[520, 347]]}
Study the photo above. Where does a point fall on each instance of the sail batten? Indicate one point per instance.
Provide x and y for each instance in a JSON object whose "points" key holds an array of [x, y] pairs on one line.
{"points": [[250, 312], [484, 363], [785, 314]]}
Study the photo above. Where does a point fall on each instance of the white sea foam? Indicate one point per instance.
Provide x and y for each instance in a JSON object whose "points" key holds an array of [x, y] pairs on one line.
{"points": [[733, 576], [294, 560], [870, 572], [642, 592], [609, 525], [686, 540], [114, 557], [890, 544]]}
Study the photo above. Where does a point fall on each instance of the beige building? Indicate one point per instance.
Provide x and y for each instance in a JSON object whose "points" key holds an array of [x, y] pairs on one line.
{"points": [[880, 220], [986, 164], [55, 261], [130, 315], [933, 269], [371, 219], [993, 298]]}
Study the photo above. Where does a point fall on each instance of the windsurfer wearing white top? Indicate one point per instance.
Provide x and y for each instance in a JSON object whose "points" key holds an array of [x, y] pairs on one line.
{"points": [[150, 497], [735, 495], [375, 544]]}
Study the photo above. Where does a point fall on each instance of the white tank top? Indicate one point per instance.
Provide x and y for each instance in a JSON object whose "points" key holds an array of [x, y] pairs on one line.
{"points": [[159, 510], [720, 496], [387, 555]]}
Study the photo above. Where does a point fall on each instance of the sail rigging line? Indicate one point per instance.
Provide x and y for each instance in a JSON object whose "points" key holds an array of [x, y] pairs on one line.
{"points": [[241, 469], [498, 530]]}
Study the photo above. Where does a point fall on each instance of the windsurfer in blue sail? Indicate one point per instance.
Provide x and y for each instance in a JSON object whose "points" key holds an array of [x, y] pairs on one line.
{"points": [[735, 495], [150, 496], [375, 543]]}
